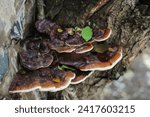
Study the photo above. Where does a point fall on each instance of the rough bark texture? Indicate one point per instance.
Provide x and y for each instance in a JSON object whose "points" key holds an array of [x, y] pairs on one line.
{"points": [[131, 29]]}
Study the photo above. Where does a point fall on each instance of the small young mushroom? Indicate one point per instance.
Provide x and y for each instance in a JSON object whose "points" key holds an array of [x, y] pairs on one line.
{"points": [[46, 79], [102, 35], [33, 59]]}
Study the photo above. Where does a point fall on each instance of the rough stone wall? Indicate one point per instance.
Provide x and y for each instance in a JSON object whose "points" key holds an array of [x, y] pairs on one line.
{"points": [[9, 14], [5, 25], [7, 17]]}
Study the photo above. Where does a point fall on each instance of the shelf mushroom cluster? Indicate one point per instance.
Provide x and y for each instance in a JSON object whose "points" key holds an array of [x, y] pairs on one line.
{"points": [[63, 58]]}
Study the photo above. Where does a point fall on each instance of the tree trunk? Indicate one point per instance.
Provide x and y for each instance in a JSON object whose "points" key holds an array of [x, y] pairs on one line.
{"points": [[130, 23]]}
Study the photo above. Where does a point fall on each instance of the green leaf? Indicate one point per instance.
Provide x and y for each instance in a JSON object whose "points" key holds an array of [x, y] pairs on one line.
{"points": [[66, 67], [87, 33], [60, 68]]}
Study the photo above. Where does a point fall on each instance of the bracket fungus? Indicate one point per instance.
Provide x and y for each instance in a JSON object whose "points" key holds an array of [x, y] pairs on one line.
{"points": [[63, 58], [67, 41], [33, 60], [84, 48], [102, 35], [46, 79], [106, 60], [40, 45], [93, 61]]}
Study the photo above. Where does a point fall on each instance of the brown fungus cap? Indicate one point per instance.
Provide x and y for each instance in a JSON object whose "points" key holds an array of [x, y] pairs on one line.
{"points": [[106, 61], [104, 36], [47, 79], [44, 26], [72, 59], [33, 59], [63, 49], [60, 47], [84, 48], [40, 45], [91, 61], [63, 41], [75, 40]]}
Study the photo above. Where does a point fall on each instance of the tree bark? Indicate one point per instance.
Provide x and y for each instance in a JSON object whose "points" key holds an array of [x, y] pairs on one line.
{"points": [[130, 23]]}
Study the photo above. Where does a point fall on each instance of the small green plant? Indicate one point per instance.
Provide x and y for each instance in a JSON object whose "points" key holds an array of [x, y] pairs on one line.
{"points": [[87, 33], [63, 67], [77, 29]]}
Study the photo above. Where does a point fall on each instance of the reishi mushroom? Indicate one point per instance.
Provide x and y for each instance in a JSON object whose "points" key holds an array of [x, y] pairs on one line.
{"points": [[106, 61], [60, 48], [84, 48], [40, 45], [43, 57], [33, 60], [44, 26], [93, 61], [46, 79], [64, 42], [102, 35]]}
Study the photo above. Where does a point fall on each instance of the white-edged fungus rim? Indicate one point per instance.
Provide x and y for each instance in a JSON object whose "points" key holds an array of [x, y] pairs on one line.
{"points": [[51, 89], [81, 52], [105, 68], [104, 39], [74, 83]]}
